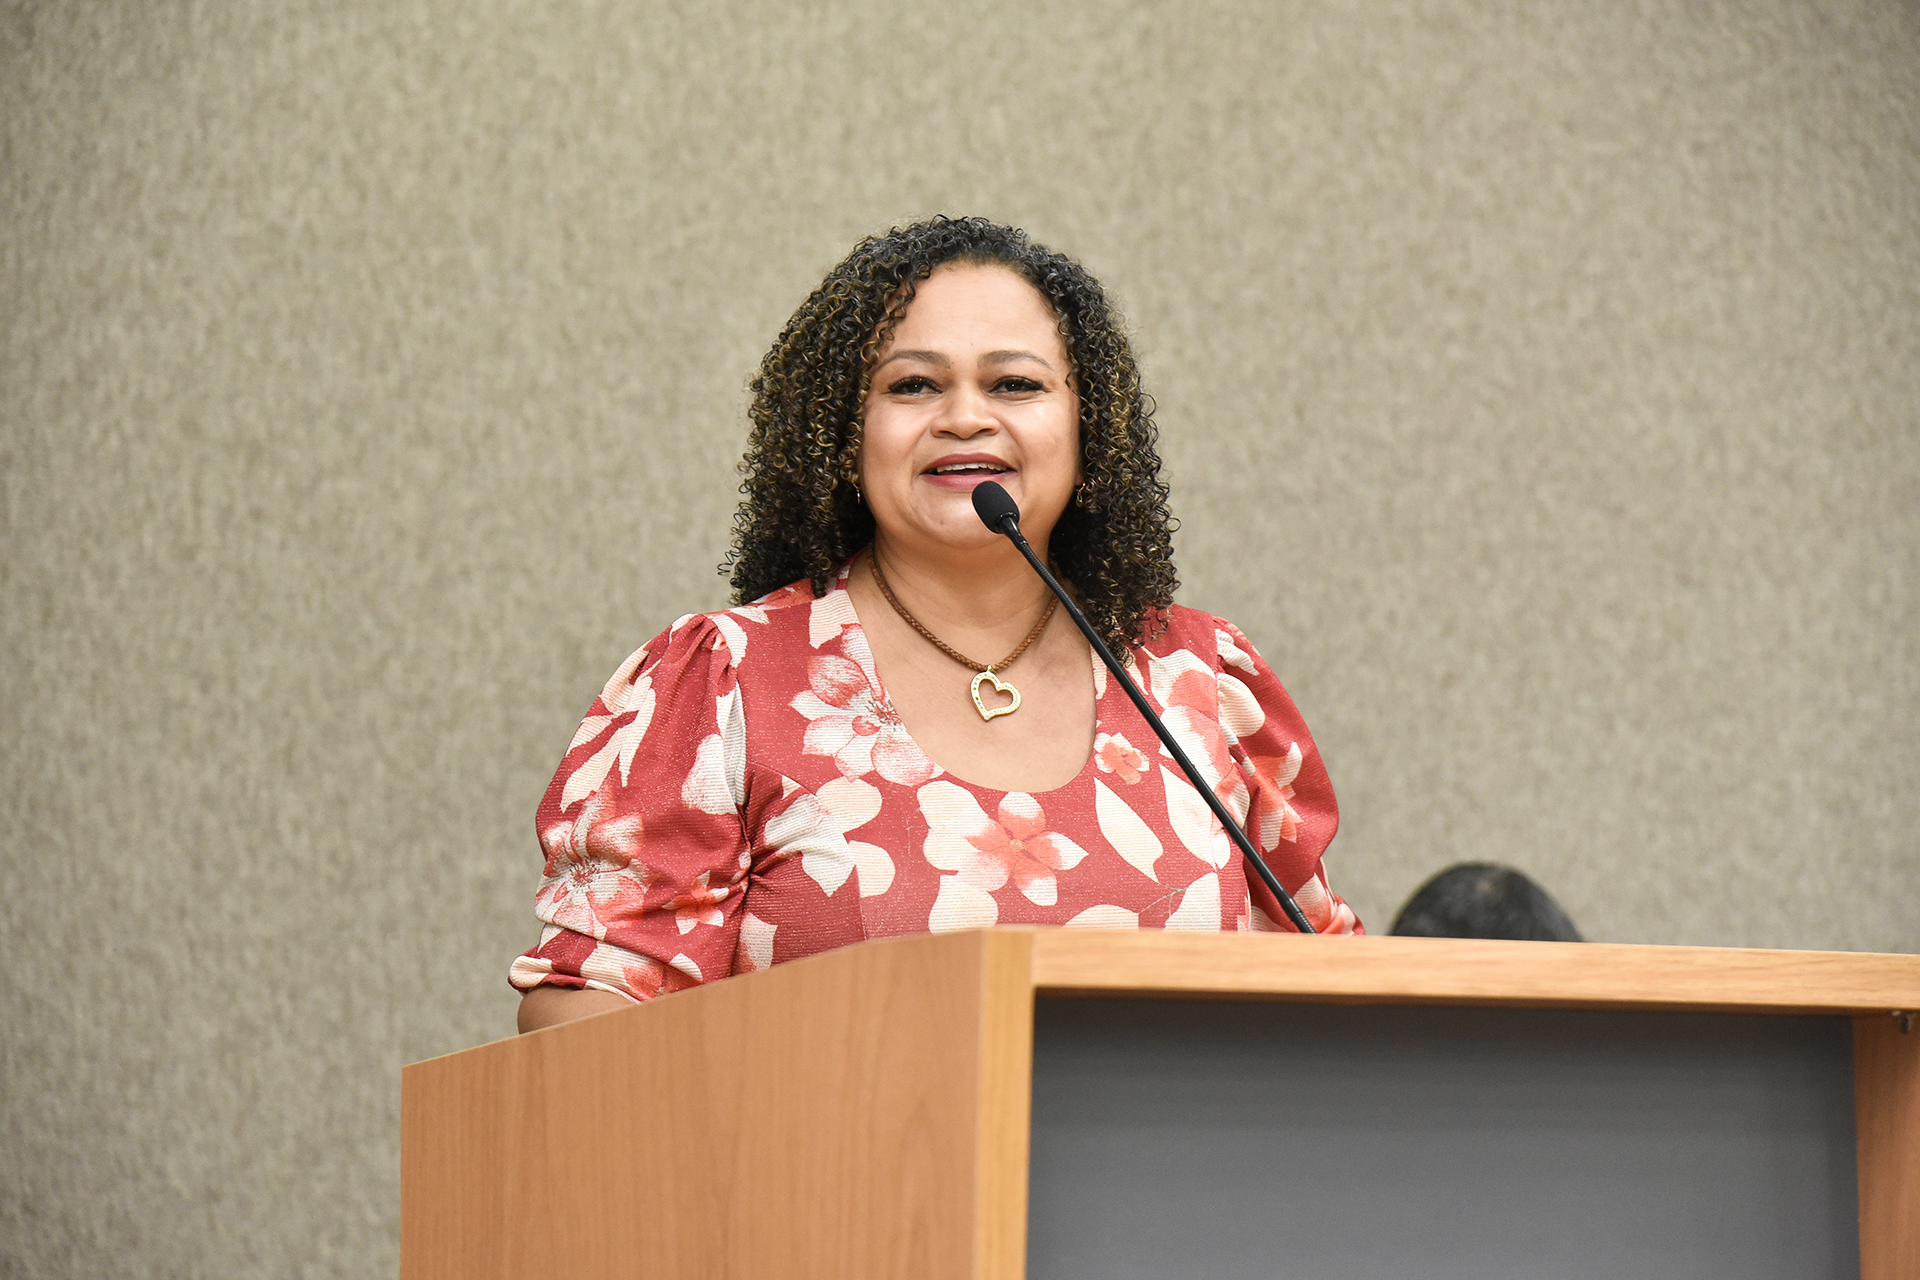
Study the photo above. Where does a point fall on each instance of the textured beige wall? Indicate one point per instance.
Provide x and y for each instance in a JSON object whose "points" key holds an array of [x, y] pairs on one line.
{"points": [[1539, 386]]}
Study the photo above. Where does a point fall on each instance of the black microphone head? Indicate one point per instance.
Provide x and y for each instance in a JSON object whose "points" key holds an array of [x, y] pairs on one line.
{"points": [[995, 507]]}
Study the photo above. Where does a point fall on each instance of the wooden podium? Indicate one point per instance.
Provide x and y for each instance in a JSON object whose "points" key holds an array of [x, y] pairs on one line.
{"points": [[1066, 1103]]}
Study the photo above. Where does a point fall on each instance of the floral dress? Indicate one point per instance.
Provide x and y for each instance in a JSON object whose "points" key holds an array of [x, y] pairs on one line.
{"points": [[742, 793]]}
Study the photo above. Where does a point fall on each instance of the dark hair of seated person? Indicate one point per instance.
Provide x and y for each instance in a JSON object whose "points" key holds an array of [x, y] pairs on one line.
{"points": [[1484, 900]]}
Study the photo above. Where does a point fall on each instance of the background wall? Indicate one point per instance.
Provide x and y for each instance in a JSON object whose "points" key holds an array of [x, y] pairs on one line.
{"points": [[1538, 383]]}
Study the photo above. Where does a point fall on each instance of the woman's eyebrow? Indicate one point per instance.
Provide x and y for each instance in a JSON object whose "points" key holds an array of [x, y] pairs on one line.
{"points": [[927, 357], [991, 357], [1010, 357]]}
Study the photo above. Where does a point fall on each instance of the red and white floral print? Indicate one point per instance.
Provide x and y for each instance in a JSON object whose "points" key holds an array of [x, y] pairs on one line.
{"points": [[847, 722], [1127, 831], [742, 793], [1112, 753], [1199, 905], [697, 906], [591, 878], [1275, 774], [986, 853], [627, 697], [1188, 691]]}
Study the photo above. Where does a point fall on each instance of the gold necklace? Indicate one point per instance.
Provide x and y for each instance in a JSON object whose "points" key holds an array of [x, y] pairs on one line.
{"points": [[984, 672]]}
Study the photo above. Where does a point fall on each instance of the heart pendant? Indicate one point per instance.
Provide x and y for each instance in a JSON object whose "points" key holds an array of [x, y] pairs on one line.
{"points": [[999, 686]]}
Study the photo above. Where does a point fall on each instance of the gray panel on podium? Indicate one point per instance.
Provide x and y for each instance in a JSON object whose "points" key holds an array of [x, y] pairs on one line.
{"points": [[1234, 1139]]}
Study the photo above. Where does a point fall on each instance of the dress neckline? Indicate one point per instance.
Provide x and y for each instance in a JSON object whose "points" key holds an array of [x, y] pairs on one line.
{"points": [[883, 701]]}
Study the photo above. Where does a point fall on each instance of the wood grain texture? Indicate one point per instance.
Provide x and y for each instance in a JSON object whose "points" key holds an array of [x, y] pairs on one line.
{"points": [[1460, 971], [1886, 1099], [819, 1119], [866, 1113], [1005, 1106]]}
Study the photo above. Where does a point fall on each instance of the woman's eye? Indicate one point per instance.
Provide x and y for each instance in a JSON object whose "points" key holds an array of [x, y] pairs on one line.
{"points": [[1018, 386], [914, 386]]}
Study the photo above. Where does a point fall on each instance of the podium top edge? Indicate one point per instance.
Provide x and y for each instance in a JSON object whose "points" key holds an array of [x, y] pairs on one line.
{"points": [[1021, 962], [1469, 971]]}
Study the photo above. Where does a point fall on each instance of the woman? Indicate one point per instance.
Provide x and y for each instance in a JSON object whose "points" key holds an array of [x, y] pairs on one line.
{"points": [[899, 733]]}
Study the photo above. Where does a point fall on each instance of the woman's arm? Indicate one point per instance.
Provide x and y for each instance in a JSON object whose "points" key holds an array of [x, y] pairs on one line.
{"points": [[647, 862], [549, 1006], [1291, 813]]}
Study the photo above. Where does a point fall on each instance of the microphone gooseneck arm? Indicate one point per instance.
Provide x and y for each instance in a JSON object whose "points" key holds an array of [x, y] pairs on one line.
{"points": [[997, 510]]}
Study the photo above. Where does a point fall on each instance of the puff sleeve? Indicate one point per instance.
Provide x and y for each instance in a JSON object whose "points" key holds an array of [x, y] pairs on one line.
{"points": [[1291, 812], [647, 852]]}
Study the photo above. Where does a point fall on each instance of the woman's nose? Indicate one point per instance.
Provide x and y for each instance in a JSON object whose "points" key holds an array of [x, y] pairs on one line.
{"points": [[968, 412]]}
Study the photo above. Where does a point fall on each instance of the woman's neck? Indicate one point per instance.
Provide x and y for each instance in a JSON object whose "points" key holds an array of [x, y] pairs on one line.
{"points": [[979, 589]]}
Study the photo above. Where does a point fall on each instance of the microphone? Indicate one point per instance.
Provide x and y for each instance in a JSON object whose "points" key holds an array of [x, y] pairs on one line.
{"points": [[998, 511]]}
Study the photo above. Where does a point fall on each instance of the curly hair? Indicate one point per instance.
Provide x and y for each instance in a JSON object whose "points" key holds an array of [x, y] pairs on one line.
{"points": [[801, 516]]}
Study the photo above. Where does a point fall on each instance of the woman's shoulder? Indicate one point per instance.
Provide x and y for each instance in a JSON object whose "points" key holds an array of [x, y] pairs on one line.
{"points": [[1195, 631], [727, 639]]}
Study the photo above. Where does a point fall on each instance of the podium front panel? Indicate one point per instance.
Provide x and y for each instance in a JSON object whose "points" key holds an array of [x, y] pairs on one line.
{"points": [[1212, 1138]]}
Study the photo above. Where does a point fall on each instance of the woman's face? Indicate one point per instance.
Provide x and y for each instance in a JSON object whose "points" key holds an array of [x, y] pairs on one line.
{"points": [[973, 385]]}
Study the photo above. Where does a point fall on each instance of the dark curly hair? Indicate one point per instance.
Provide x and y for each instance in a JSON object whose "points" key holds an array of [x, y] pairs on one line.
{"points": [[801, 516]]}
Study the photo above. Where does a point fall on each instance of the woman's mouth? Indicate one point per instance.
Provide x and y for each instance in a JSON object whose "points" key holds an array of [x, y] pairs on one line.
{"points": [[965, 472]]}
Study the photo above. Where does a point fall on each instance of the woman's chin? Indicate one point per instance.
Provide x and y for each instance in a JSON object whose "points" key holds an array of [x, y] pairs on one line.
{"points": [[942, 516], [943, 527]]}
